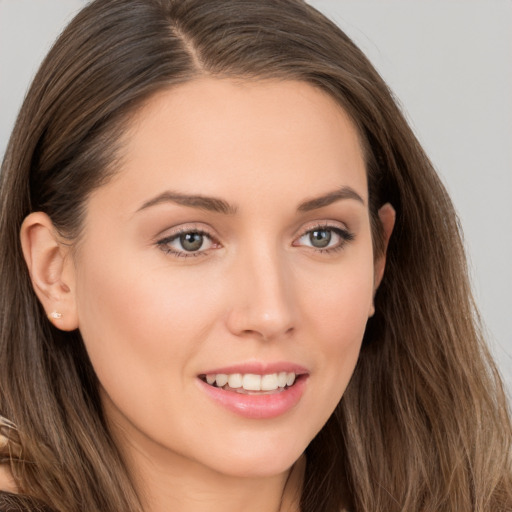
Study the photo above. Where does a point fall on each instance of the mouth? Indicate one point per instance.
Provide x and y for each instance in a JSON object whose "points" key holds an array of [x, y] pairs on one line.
{"points": [[256, 390], [251, 383]]}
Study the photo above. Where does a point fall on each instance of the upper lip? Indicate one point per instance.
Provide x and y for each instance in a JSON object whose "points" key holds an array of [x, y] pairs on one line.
{"points": [[258, 368]]}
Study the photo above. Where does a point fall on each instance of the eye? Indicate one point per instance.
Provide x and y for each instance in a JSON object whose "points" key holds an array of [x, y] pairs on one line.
{"points": [[187, 243], [191, 242], [320, 238], [325, 238]]}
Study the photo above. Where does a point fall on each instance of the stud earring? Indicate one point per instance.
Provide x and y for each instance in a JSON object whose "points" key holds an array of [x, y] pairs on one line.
{"points": [[55, 315]]}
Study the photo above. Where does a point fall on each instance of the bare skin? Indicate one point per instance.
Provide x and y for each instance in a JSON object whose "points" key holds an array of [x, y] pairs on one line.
{"points": [[283, 276], [6, 480]]}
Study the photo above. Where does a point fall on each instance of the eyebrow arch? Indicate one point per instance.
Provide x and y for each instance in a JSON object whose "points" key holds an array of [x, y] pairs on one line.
{"points": [[329, 198], [217, 205], [211, 204]]}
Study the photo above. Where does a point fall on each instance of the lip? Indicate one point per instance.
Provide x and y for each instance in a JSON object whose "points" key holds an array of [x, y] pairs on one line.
{"points": [[258, 368], [258, 406], [264, 406]]}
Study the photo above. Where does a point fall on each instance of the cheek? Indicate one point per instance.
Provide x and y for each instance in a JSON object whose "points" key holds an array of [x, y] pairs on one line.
{"points": [[140, 323], [335, 315], [338, 299]]}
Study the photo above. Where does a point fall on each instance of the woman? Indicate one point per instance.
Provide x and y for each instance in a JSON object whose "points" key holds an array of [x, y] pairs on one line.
{"points": [[232, 280]]}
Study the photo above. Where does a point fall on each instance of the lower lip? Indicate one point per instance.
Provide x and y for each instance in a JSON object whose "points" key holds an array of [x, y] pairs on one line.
{"points": [[258, 406]]}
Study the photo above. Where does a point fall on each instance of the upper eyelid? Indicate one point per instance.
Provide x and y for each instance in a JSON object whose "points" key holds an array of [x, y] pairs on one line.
{"points": [[180, 232], [344, 233], [323, 224], [163, 243], [173, 236], [206, 230], [176, 231]]}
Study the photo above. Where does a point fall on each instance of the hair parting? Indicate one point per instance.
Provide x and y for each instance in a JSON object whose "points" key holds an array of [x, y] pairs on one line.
{"points": [[424, 424]]}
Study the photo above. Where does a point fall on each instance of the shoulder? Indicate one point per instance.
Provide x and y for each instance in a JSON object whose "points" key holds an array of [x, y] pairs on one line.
{"points": [[6, 480], [10, 502]]}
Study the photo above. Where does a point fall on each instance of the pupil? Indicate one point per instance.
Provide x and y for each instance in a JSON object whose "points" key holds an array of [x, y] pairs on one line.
{"points": [[320, 238], [191, 241]]}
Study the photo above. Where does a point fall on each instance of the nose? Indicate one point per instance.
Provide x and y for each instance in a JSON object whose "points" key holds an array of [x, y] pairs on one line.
{"points": [[262, 298]]}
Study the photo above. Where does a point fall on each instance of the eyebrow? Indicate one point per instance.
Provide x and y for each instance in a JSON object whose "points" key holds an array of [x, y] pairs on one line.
{"points": [[211, 204], [329, 198], [214, 204]]}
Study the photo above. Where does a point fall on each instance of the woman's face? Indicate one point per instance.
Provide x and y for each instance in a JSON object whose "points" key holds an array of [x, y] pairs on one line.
{"points": [[229, 256]]}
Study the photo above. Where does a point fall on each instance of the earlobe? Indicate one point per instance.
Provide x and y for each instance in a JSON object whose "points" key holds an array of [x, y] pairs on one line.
{"points": [[387, 216], [50, 269]]}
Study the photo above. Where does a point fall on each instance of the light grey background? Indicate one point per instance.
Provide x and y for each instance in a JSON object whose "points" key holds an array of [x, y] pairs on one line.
{"points": [[450, 64]]}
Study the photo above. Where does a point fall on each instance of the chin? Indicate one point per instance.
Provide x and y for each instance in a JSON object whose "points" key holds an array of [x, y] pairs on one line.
{"points": [[257, 461]]}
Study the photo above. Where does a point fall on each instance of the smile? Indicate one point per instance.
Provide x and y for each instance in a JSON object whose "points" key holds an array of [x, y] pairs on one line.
{"points": [[256, 393], [250, 382]]}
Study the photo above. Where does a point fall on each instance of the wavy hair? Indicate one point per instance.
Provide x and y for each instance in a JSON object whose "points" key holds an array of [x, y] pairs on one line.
{"points": [[423, 425]]}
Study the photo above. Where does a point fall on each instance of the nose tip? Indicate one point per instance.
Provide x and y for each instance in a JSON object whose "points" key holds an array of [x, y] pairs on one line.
{"points": [[262, 305], [266, 326], [270, 325]]}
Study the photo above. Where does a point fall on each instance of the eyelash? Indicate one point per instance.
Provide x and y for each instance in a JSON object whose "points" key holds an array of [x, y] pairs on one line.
{"points": [[163, 244], [344, 235]]}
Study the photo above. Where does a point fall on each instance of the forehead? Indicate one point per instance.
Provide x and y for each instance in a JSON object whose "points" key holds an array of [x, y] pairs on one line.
{"points": [[229, 138]]}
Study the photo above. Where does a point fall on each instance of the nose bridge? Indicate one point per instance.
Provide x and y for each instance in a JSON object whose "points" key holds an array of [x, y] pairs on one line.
{"points": [[263, 301]]}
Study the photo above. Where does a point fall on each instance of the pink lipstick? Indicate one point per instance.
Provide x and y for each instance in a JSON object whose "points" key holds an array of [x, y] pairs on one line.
{"points": [[256, 390]]}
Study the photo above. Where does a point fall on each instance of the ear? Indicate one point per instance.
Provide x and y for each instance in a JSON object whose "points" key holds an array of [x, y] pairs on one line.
{"points": [[387, 216], [51, 269]]}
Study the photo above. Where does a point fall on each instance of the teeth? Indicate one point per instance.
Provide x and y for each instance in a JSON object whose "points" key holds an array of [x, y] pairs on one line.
{"points": [[251, 381], [235, 380], [221, 378], [281, 379], [269, 382]]}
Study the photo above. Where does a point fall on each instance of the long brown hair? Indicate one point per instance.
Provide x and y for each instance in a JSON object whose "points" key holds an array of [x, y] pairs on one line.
{"points": [[423, 425]]}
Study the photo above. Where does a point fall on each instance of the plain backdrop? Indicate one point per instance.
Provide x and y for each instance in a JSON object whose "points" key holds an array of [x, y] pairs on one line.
{"points": [[450, 64]]}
